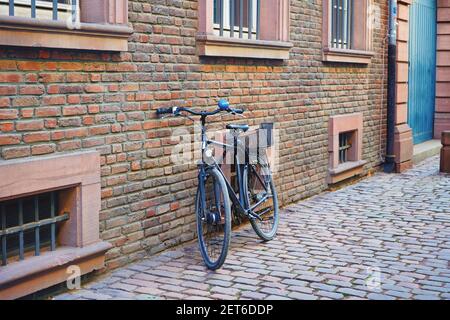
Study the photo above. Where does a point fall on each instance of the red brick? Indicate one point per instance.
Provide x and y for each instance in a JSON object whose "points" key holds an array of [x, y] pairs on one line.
{"points": [[129, 87], [94, 67], [11, 77], [30, 125], [70, 66], [5, 102], [72, 99], [43, 149], [51, 123], [32, 90], [29, 65], [26, 113], [99, 130], [93, 108], [8, 139], [76, 133], [53, 100], [48, 111], [69, 145], [25, 101], [57, 135], [72, 111], [36, 137], [51, 77], [7, 90], [8, 114], [6, 126], [8, 65], [94, 88], [77, 77], [16, 152]]}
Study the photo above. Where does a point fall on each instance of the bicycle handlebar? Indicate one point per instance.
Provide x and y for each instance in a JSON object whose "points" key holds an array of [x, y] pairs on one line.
{"points": [[177, 110]]}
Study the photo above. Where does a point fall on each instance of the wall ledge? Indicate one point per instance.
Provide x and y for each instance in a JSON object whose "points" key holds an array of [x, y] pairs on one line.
{"points": [[347, 56], [211, 45], [345, 171], [37, 273], [27, 32]]}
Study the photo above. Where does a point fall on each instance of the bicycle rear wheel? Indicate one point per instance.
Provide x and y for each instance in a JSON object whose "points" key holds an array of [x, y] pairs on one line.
{"points": [[213, 220], [259, 191]]}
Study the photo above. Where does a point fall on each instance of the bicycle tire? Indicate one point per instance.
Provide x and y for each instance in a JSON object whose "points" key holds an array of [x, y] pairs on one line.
{"points": [[263, 234], [219, 182]]}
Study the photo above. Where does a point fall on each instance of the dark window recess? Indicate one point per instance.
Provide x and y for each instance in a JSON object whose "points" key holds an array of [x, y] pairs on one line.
{"points": [[29, 226], [237, 18], [34, 5], [344, 146], [341, 23]]}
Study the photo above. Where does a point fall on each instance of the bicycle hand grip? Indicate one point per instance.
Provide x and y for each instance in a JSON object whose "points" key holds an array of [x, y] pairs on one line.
{"points": [[164, 111]]}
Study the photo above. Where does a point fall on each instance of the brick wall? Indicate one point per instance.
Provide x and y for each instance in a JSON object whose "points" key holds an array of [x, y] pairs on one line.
{"points": [[442, 117], [58, 101]]}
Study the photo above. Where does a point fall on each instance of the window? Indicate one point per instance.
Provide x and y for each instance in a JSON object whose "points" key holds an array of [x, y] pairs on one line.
{"points": [[49, 220], [235, 28], [341, 23], [344, 146], [69, 24], [347, 31], [29, 225], [237, 18], [40, 9]]}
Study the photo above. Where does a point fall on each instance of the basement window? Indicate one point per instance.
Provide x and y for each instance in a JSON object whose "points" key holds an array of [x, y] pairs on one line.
{"points": [[29, 226], [345, 147], [345, 144]]}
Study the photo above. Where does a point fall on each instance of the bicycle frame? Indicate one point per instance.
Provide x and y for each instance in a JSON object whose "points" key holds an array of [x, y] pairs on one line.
{"points": [[238, 202]]}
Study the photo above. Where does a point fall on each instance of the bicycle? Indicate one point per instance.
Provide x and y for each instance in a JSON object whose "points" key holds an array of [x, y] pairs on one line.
{"points": [[216, 199]]}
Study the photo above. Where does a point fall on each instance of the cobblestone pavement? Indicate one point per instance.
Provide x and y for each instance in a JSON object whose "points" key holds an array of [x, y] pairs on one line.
{"points": [[387, 237]]}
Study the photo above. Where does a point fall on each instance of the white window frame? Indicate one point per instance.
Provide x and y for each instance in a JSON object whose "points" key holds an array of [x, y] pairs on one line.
{"points": [[227, 21], [43, 9]]}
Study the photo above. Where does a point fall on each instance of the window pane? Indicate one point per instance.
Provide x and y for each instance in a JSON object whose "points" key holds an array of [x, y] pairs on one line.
{"points": [[341, 23]]}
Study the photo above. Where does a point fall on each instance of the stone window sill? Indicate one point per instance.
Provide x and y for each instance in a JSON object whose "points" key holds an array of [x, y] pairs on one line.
{"points": [[346, 170], [347, 56], [36, 273], [27, 32], [215, 46]]}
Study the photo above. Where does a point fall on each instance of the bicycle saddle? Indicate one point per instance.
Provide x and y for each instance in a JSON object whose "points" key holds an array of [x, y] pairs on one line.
{"points": [[243, 127]]}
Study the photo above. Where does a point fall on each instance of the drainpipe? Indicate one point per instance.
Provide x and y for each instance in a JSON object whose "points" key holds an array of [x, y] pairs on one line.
{"points": [[389, 164]]}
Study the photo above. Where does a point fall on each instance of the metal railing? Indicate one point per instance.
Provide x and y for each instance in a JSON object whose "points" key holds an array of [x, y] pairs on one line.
{"points": [[27, 224], [341, 23], [344, 146], [237, 18], [52, 9]]}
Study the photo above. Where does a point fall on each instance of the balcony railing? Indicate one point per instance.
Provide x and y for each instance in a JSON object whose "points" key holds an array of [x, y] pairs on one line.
{"points": [[237, 18], [41, 9]]}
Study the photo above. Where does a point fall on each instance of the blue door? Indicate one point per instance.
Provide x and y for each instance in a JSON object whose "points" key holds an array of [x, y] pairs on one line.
{"points": [[422, 69]]}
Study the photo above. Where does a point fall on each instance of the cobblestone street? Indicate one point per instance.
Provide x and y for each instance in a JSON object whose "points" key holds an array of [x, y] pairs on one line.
{"points": [[386, 237]]}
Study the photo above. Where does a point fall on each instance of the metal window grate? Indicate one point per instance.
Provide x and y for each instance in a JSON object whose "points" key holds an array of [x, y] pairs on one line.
{"points": [[29, 224], [344, 146], [237, 18], [41, 9], [341, 24]]}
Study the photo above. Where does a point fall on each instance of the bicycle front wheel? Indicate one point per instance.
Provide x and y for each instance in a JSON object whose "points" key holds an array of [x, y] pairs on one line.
{"points": [[260, 193], [213, 219]]}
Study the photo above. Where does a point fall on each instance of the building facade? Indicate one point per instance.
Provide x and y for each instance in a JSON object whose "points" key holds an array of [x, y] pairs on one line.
{"points": [[83, 152]]}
